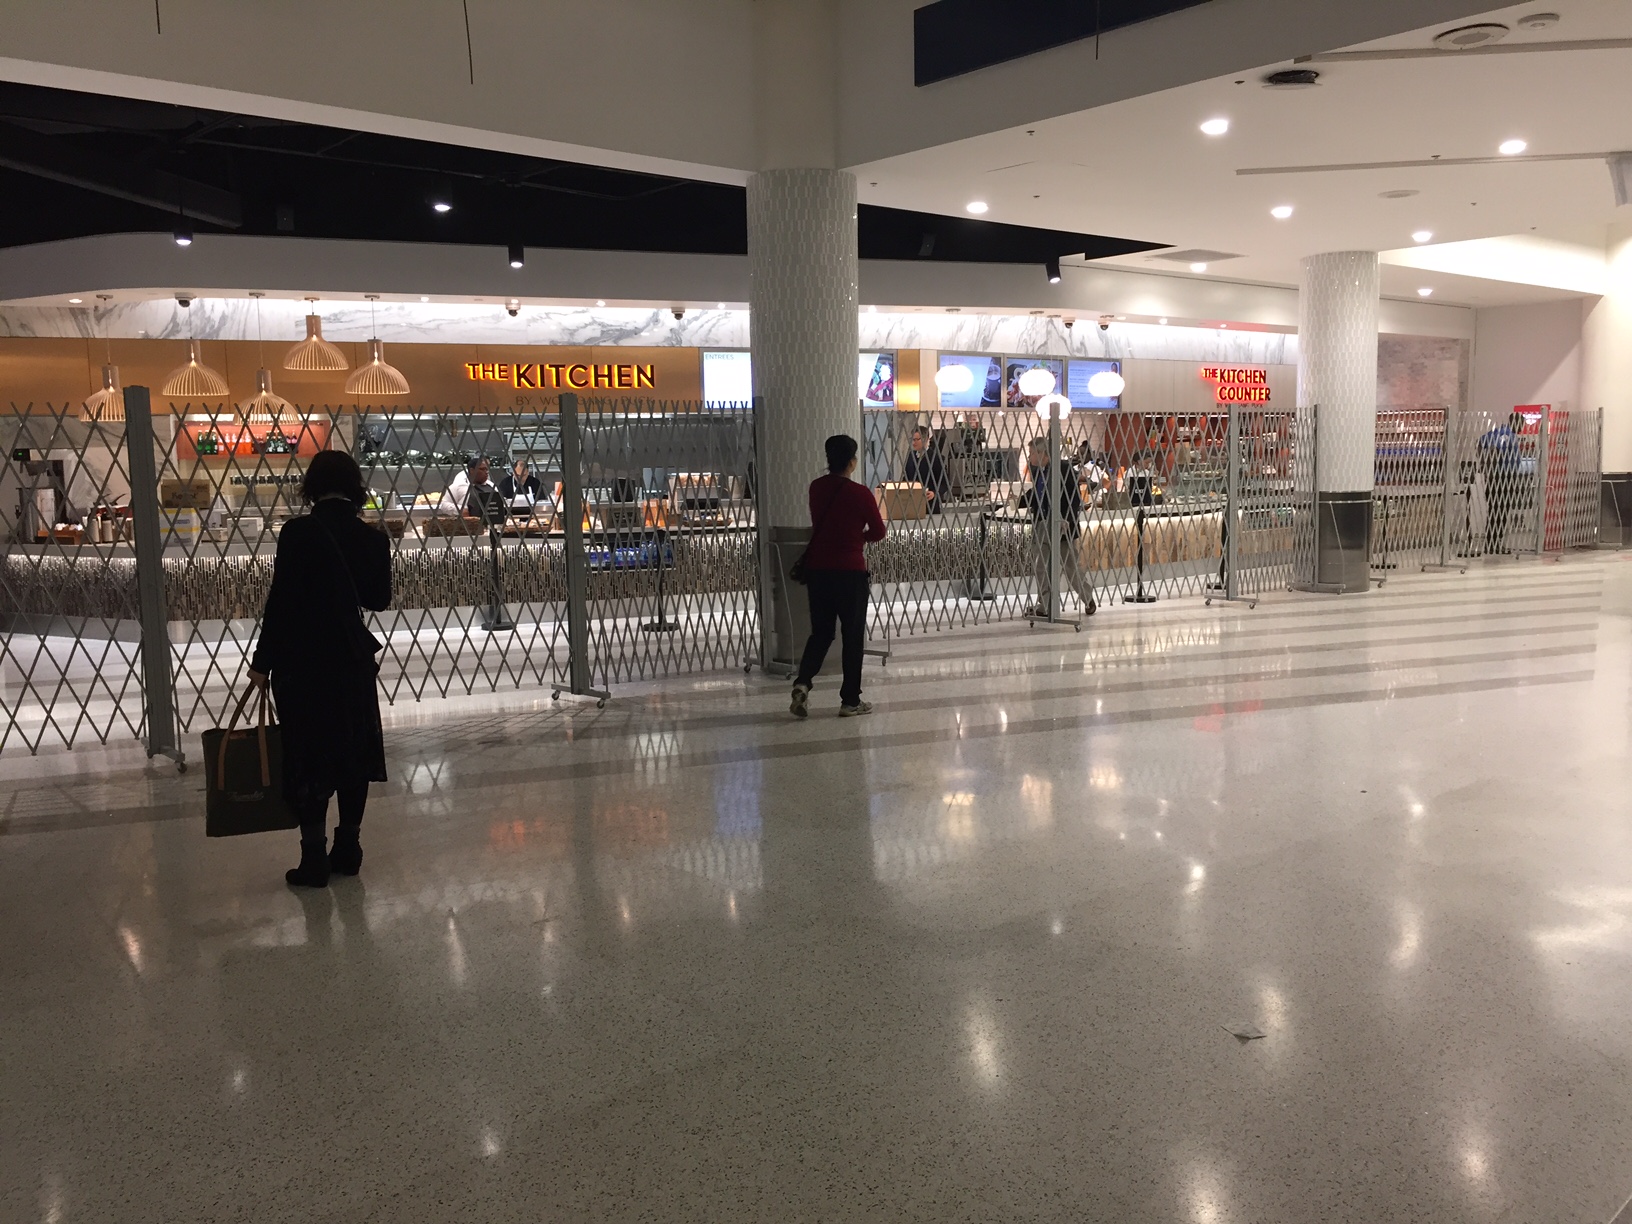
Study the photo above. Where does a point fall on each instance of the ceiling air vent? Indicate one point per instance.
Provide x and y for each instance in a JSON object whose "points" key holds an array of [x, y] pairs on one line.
{"points": [[1292, 78], [1464, 37], [1194, 255]]}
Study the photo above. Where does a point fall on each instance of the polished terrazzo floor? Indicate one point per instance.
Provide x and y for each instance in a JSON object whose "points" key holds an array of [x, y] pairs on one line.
{"points": [[969, 959]]}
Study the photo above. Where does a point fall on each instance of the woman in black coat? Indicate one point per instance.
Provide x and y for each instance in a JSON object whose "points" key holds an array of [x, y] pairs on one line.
{"points": [[320, 659]]}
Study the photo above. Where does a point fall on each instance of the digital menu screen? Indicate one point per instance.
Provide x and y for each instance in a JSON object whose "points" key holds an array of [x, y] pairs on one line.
{"points": [[875, 380], [1015, 370], [728, 378], [1077, 379], [966, 381]]}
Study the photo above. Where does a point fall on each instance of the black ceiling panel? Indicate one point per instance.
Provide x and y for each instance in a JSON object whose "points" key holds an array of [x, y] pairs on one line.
{"points": [[952, 37], [74, 164]]}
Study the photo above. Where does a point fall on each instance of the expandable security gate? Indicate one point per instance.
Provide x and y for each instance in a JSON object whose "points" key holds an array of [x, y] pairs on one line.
{"points": [[618, 540]]}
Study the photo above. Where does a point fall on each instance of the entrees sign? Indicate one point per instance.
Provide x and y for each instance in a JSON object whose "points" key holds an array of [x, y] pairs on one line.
{"points": [[563, 376]]}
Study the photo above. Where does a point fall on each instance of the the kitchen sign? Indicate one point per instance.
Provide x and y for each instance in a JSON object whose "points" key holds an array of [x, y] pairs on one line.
{"points": [[1237, 384], [563, 376]]}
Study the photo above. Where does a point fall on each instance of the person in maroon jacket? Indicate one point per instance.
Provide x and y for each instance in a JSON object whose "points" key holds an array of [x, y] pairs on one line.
{"points": [[843, 517]]}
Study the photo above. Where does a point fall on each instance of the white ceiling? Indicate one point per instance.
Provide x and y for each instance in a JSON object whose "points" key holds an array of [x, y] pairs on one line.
{"points": [[1141, 168]]}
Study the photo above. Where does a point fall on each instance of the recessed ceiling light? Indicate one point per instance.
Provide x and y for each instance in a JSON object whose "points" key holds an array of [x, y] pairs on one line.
{"points": [[1216, 127], [1163, 322], [1512, 148], [977, 207], [1198, 267], [1281, 212], [872, 310], [1423, 236], [442, 206], [75, 301], [1425, 291], [600, 303], [1223, 326], [424, 297]]}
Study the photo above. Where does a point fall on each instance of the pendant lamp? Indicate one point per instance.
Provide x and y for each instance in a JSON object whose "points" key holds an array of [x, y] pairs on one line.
{"points": [[314, 352], [108, 403], [265, 404], [193, 379], [374, 376]]}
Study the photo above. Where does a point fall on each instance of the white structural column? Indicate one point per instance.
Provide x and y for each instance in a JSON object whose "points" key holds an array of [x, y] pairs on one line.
{"points": [[1337, 376], [802, 327], [1606, 351], [802, 324]]}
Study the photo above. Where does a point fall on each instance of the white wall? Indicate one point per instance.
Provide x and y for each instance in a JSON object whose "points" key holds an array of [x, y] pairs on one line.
{"points": [[1527, 355]]}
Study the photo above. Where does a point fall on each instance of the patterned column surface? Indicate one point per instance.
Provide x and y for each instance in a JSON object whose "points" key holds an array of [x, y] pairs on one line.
{"points": [[1337, 364], [802, 327]]}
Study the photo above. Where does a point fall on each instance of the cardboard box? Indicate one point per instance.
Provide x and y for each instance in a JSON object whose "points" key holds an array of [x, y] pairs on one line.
{"points": [[186, 494], [900, 501]]}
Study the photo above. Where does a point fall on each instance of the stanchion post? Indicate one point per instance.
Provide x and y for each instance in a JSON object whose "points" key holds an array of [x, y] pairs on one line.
{"points": [[158, 682]]}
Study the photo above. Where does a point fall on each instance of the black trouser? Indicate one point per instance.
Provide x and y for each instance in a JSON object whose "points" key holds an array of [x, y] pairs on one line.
{"points": [[836, 596], [350, 799]]}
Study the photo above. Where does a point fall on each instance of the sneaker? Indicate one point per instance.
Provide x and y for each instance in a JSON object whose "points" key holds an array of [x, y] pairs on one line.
{"points": [[799, 707], [857, 710], [1092, 607]]}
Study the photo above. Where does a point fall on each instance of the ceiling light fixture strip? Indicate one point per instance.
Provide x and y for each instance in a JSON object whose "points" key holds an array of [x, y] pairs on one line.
{"points": [[1443, 161], [1520, 48]]}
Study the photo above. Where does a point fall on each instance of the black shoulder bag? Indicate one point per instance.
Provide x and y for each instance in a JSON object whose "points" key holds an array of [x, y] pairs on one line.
{"points": [[797, 570]]}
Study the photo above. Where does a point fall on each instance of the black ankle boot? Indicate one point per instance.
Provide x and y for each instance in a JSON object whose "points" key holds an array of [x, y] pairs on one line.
{"points": [[313, 871], [347, 856]]}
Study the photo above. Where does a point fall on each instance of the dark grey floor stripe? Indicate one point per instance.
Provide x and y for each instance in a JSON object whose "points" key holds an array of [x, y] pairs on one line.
{"points": [[958, 643], [1101, 688], [847, 743], [191, 808], [903, 672]]}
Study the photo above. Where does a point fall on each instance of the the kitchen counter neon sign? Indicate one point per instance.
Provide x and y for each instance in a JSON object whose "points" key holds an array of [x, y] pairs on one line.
{"points": [[563, 376], [1237, 384]]}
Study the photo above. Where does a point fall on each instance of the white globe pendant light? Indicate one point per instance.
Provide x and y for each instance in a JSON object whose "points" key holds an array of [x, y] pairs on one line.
{"points": [[954, 379], [1049, 403]]}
